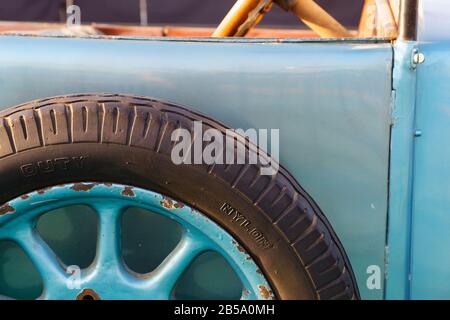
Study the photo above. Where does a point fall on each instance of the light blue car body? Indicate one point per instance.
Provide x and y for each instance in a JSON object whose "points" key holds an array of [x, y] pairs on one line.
{"points": [[362, 128]]}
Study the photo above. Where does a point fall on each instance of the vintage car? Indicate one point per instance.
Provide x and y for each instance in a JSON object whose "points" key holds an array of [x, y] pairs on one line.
{"points": [[93, 205]]}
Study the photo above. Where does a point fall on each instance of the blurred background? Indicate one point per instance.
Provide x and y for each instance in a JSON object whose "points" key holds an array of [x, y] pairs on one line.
{"points": [[174, 12]]}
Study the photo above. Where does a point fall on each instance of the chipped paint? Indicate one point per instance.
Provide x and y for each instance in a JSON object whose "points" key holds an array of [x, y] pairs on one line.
{"points": [[83, 186], [265, 293], [239, 247], [6, 209], [43, 190], [243, 251], [128, 192], [171, 204], [245, 293], [205, 230]]}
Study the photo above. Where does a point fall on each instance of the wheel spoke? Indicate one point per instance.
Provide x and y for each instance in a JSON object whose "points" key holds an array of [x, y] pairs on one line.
{"points": [[167, 274], [108, 276], [51, 269], [108, 255]]}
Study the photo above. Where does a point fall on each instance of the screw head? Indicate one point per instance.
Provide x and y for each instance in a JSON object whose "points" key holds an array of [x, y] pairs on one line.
{"points": [[418, 58]]}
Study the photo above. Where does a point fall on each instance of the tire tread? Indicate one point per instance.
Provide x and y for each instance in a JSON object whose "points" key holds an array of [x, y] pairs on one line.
{"points": [[292, 211]]}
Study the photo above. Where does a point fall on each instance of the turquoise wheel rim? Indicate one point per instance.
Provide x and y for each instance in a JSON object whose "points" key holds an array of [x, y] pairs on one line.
{"points": [[107, 277]]}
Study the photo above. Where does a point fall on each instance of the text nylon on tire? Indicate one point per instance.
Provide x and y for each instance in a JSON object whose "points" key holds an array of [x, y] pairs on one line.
{"points": [[126, 140]]}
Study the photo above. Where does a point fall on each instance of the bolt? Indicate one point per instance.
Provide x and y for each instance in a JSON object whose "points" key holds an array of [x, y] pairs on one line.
{"points": [[418, 58]]}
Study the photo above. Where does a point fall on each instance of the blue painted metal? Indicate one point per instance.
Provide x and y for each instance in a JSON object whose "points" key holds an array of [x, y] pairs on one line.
{"points": [[108, 276], [430, 265], [401, 172], [419, 169], [330, 99]]}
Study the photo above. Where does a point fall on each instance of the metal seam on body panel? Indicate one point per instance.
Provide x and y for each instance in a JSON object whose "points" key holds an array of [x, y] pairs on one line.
{"points": [[400, 175]]}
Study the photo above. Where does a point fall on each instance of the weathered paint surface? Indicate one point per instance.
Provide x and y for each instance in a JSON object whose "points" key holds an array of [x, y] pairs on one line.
{"points": [[401, 173], [430, 257], [330, 100], [6, 209], [107, 277]]}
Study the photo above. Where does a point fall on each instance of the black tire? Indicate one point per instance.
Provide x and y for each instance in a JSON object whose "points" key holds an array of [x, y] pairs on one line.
{"points": [[126, 139]]}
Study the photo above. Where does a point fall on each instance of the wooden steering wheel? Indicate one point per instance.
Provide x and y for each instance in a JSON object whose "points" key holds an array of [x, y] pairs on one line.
{"points": [[245, 14]]}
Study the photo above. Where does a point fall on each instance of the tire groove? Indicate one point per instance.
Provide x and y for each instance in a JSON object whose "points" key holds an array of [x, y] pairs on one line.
{"points": [[319, 221]]}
